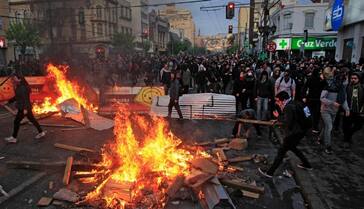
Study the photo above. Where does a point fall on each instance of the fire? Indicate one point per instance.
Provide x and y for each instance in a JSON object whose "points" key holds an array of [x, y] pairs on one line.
{"points": [[64, 88], [144, 165]]}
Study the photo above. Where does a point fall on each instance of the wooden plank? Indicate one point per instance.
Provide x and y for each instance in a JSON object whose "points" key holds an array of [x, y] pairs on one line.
{"points": [[175, 186], [72, 148], [44, 201], [241, 159], [22, 186], [239, 184], [85, 117], [215, 142], [258, 122], [48, 165], [205, 165], [219, 152], [67, 171], [58, 125]]}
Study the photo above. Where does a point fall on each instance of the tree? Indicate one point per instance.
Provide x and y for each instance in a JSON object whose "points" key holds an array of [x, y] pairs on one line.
{"points": [[123, 42], [146, 45], [177, 46], [24, 34]]}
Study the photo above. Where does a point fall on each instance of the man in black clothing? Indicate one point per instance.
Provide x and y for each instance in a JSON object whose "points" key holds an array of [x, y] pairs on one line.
{"points": [[174, 91], [24, 106], [294, 134], [355, 99]]}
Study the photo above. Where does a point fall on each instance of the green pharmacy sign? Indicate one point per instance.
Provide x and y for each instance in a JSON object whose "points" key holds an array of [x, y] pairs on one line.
{"points": [[314, 43]]}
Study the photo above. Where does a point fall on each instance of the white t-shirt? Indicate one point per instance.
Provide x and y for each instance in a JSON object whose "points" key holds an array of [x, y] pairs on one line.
{"points": [[282, 85]]}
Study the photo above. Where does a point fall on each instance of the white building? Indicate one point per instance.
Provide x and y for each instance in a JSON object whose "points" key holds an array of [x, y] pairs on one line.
{"points": [[140, 21], [291, 20], [350, 37]]}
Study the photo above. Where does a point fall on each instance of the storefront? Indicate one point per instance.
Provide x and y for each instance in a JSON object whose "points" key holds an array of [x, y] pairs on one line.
{"points": [[314, 47], [346, 17]]}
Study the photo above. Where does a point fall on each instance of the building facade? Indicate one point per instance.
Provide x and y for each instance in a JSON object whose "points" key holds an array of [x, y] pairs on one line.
{"points": [[180, 19], [140, 21], [77, 27], [158, 32], [291, 21], [5, 50], [350, 36]]}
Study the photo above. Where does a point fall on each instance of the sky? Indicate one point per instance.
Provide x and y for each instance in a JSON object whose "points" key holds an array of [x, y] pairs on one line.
{"points": [[211, 22]]}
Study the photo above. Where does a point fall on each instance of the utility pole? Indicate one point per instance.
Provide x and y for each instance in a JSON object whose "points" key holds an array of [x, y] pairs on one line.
{"points": [[50, 19], [265, 23], [251, 22]]}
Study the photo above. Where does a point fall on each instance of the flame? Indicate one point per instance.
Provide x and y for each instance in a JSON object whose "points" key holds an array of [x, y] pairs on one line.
{"points": [[64, 88], [147, 163]]}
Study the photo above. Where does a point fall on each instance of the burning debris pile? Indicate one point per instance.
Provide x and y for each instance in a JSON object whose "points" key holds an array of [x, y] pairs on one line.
{"points": [[63, 90], [137, 171]]}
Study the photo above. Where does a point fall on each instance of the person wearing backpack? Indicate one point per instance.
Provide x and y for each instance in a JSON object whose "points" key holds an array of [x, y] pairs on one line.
{"points": [[287, 84], [295, 130]]}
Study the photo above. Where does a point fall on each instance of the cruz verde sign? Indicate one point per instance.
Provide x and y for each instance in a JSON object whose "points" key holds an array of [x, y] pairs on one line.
{"points": [[314, 43], [283, 43]]}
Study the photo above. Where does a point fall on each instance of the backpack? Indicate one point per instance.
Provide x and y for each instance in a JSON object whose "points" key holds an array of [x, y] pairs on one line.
{"points": [[304, 117], [281, 80]]}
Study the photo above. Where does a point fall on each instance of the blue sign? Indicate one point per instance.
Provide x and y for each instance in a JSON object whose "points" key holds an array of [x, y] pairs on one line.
{"points": [[337, 15]]}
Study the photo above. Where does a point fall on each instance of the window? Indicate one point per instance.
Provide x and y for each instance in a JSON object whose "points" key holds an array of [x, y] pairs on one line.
{"points": [[99, 29], [93, 30], [309, 19], [98, 11], [287, 21], [83, 33], [122, 12], [1, 23]]}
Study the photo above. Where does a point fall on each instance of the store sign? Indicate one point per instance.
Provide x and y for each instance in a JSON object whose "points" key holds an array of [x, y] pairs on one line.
{"points": [[337, 15], [283, 43], [314, 43]]}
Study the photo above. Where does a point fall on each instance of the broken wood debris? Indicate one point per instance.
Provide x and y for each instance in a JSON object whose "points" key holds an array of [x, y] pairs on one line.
{"points": [[219, 152], [205, 165], [44, 165], [175, 186], [66, 195], [241, 159], [72, 148], [258, 122], [121, 189], [44, 201], [58, 125], [238, 144], [215, 142], [22, 186], [241, 185], [67, 171]]}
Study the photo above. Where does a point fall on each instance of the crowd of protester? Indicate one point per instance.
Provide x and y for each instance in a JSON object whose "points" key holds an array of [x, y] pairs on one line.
{"points": [[332, 90]]}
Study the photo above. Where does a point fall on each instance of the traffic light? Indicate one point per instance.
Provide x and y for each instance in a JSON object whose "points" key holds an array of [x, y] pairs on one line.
{"points": [[100, 53], [230, 29], [305, 36], [230, 10]]}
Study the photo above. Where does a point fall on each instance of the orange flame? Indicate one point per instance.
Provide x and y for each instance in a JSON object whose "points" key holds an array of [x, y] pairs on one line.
{"points": [[148, 162], [65, 90]]}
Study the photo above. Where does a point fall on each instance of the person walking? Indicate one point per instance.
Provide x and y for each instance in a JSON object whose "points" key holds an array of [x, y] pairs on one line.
{"points": [[264, 93], [287, 84], [295, 131], [312, 91], [174, 91], [332, 97], [355, 98], [24, 106]]}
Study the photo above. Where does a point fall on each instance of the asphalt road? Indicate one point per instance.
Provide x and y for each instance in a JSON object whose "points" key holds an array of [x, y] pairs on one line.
{"points": [[336, 179]]}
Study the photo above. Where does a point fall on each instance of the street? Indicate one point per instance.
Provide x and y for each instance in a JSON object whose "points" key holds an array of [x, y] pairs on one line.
{"points": [[332, 184]]}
